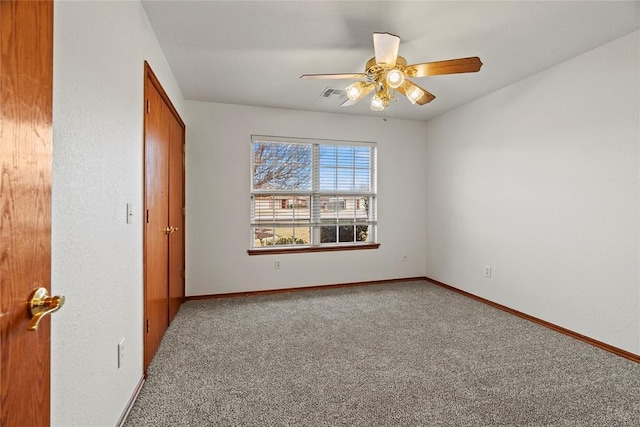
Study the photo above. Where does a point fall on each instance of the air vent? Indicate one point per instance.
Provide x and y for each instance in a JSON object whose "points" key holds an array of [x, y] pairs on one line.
{"points": [[331, 92]]}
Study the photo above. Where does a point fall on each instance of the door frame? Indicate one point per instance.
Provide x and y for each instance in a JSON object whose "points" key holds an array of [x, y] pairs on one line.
{"points": [[150, 77]]}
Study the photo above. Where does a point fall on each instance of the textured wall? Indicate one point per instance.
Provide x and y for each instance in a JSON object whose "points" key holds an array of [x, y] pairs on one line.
{"points": [[218, 177], [99, 49], [540, 181]]}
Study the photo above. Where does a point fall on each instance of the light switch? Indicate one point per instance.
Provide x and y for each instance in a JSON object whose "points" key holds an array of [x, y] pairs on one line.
{"points": [[129, 213]]}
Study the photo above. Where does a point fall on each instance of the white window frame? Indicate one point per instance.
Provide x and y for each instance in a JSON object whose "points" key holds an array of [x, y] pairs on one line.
{"points": [[315, 195]]}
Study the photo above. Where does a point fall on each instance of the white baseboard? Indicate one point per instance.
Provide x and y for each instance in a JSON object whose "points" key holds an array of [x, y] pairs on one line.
{"points": [[132, 400]]}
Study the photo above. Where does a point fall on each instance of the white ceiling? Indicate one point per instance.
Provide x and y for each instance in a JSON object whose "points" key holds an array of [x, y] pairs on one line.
{"points": [[253, 52]]}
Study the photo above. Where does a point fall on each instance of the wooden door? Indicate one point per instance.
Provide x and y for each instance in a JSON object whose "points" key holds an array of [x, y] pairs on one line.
{"points": [[164, 207], [157, 211], [176, 217], [26, 68]]}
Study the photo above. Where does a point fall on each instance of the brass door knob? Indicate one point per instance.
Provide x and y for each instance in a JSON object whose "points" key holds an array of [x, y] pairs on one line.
{"points": [[170, 230], [41, 305]]}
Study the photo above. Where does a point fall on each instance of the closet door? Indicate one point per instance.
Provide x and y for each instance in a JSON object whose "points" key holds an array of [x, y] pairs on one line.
{"points": [[156, 224], [176, 217], [164, 214]]}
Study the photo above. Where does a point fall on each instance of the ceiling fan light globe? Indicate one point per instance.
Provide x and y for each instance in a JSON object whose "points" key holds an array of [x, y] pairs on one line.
{"points": [[395, 78], [354, 91], [377, 104]]}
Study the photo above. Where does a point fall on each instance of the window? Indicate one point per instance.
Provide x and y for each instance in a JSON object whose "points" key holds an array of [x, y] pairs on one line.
{"points": [[312, 193]]}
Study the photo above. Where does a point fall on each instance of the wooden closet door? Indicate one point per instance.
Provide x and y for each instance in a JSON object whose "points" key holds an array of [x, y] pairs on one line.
{"points": [[157, 213], [164, 220], [176, 217]]}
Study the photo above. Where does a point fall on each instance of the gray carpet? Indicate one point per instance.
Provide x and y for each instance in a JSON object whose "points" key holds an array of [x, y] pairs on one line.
{"points": [[404, 354]]}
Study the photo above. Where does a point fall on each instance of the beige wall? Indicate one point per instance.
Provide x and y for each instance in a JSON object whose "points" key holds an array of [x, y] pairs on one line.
{"points": [[99, 52], [218, 202], [539, 180]]}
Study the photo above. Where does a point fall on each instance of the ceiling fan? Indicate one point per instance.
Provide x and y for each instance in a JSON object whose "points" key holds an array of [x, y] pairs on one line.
{"points": [[387, 73]]}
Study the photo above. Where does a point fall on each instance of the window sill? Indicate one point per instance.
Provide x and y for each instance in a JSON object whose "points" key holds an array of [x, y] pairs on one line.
{"points": [[275, 251]]}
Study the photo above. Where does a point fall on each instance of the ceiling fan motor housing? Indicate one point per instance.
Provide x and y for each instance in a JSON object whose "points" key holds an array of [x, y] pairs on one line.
{"points": [[376, 69]]}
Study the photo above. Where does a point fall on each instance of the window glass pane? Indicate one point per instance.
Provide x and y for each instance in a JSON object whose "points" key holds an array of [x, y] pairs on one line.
{"points": [[344, 156], [362, 157], [328, 155], [281, 166], [362, 233], [281, 213], [301, 207], [362, 208], [345, 179], [351, 233], [285, 208], [263, 208], [328, 234], [291, 236], [281, 208], [262, 236], [346, 233], [362, 180], [330, 207], [328, 179], [347, 211]]}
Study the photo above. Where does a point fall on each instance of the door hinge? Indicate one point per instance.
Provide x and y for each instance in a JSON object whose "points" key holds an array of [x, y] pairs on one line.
{"points": [[147, 325], [147, 215], [183, 210], [148, 106]]}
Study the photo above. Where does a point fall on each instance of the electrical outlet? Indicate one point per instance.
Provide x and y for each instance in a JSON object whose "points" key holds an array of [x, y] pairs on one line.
{"points": [[276, 264], [120, 353], [487, 271]]}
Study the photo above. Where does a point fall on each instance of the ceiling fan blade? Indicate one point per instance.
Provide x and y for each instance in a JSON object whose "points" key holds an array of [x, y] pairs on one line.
{"points": [[451, 66], [333, 76], [424, 99], [386, 47]]}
